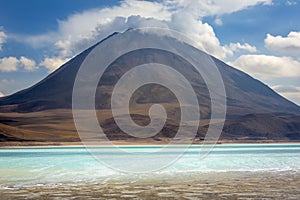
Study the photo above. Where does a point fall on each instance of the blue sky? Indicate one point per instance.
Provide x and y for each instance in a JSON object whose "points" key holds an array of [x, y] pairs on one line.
{"points": [[260, 37]]}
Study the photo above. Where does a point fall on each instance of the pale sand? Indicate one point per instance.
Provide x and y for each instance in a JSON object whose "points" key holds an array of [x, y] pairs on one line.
{"points": [[222, 185]]}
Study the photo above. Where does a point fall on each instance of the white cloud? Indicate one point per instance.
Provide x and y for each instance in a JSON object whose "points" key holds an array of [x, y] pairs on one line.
{"points": [[37, 41], [289, 44], [286, 88], [3, 37], [290, 3], [81, 30], [218, 21], [292, 96], [214, 7], [53, 63], [288, 91], [1, 94], [237, 47], [266, 67], [10, 64], [202, 33], [29, 65]]}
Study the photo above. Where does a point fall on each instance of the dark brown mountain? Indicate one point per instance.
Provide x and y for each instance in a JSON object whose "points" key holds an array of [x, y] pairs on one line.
{"points": [[43, 111]]}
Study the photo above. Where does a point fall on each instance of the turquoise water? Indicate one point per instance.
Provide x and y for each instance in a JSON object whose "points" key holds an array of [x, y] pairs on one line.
{"points": [[75, 165]]}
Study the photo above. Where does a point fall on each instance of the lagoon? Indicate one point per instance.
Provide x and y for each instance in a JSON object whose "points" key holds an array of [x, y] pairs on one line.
{"points": [[72, 167]]}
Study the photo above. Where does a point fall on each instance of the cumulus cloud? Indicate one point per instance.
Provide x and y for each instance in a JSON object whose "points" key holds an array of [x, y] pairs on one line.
{"points": [[3, 37], [266, 67], [289, 44], [289, 91], [53, 63], [245, 47], [202, 33], [28, 64], [10, 64], [83, 27], [81, 30]]}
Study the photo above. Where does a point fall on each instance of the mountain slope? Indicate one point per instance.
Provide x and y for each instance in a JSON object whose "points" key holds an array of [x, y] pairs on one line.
{"points": [[254, 111]]}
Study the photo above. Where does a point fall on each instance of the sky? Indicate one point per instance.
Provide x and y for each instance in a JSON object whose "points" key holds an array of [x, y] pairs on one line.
{"points": [[259, 37]]}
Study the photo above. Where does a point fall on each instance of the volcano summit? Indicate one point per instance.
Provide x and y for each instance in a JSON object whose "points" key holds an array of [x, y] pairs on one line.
{"points": [[43, 112]]}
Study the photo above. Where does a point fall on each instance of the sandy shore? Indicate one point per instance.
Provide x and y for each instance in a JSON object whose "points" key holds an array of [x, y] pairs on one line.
{"points": [[233, 185]]}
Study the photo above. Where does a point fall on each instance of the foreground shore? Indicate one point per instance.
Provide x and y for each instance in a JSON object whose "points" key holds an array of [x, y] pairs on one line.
{"points": [[226, 185]]}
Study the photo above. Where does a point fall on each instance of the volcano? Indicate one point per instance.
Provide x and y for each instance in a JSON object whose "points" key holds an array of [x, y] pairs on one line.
{"points": [[43, 112]]}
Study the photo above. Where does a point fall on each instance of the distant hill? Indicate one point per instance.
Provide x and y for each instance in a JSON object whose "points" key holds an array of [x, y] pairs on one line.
{"points": [[43, 111]]}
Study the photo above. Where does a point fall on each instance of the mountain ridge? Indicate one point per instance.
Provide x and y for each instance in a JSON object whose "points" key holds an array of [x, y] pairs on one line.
{"points": [[250, 103]]}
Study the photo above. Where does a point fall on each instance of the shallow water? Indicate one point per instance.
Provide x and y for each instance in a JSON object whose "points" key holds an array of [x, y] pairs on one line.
{"points": [[234, 170]]}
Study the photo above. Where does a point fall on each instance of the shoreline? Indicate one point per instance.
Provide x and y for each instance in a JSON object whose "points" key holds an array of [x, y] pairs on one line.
{"points": [[257, 185], [133, 143]]}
